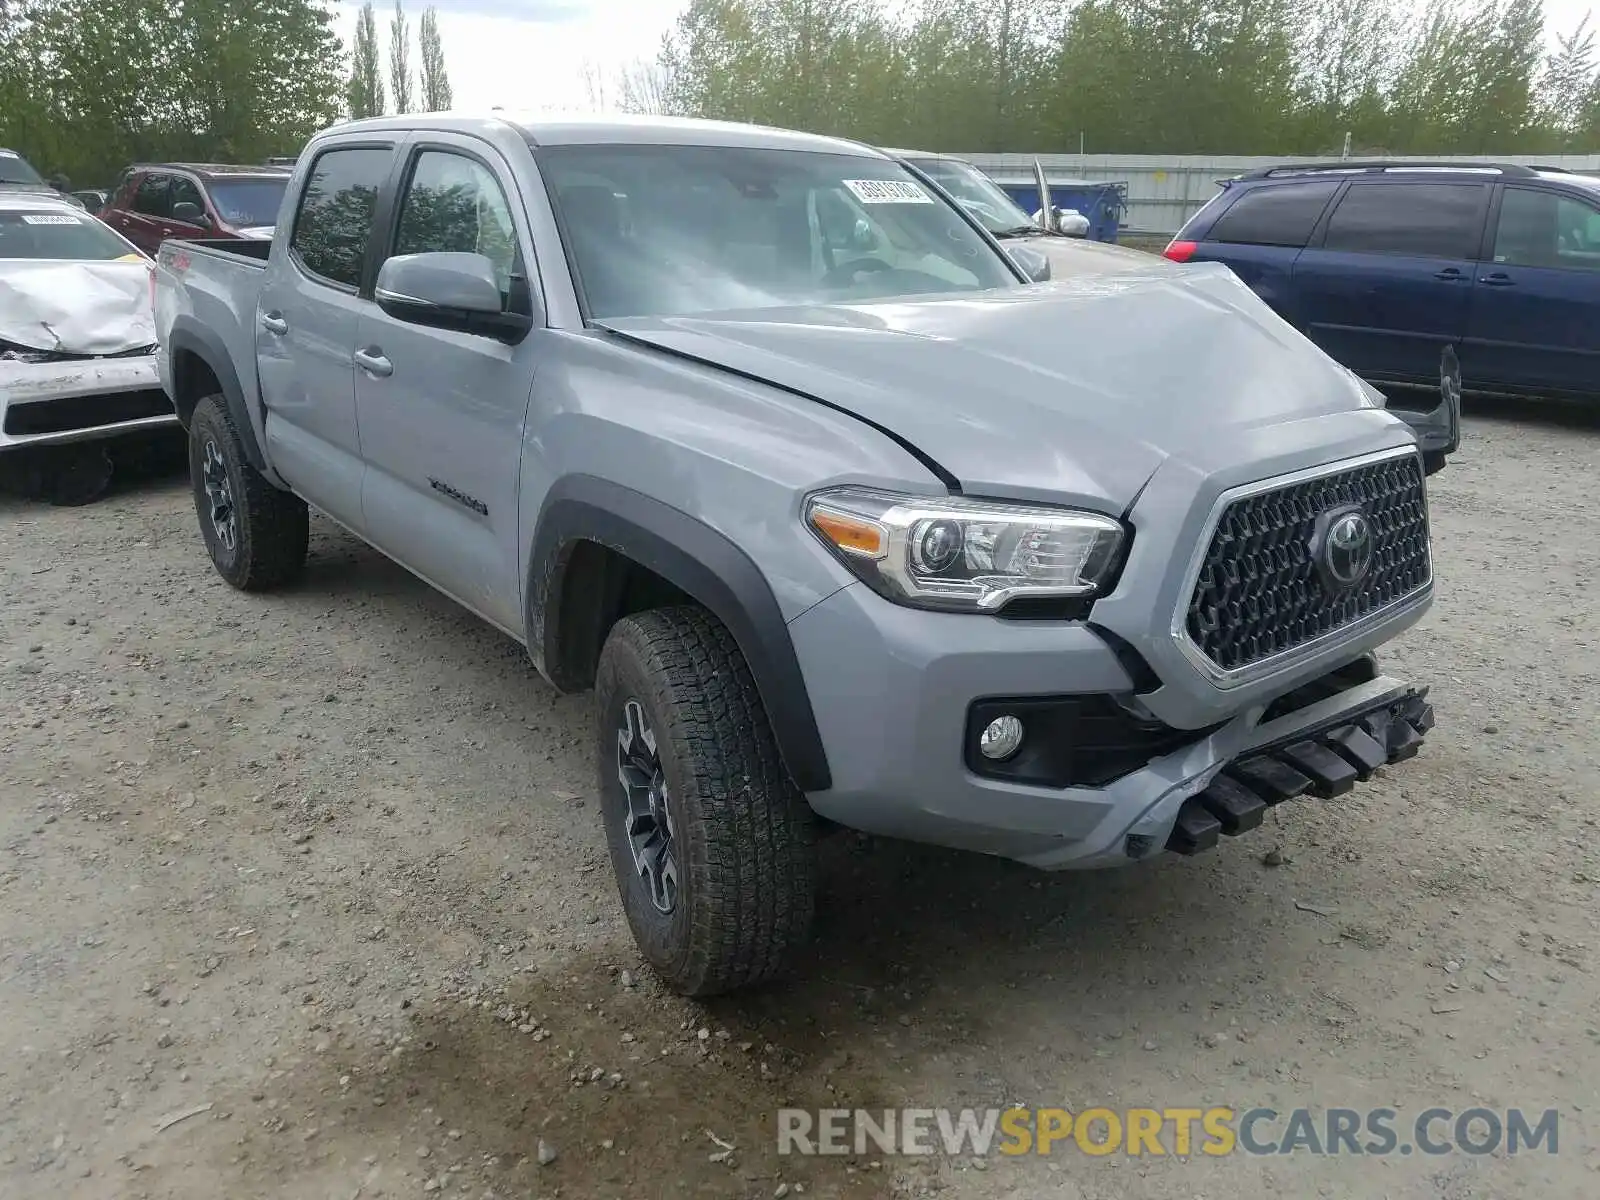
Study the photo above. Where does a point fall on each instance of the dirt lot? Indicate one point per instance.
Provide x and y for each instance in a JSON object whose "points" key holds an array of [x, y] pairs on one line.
{"points": [[327, 864]]}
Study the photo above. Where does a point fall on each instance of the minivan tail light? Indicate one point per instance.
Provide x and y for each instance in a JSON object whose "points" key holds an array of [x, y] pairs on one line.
{"points": [[1180, 252]]}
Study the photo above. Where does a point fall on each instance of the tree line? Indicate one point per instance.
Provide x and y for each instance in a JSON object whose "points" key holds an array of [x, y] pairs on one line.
{"points": [[364, 91], [86, 87], [1130, 76]]}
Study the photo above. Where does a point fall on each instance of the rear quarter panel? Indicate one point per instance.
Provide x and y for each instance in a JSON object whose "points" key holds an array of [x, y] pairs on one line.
{"points": [[205, 304]]}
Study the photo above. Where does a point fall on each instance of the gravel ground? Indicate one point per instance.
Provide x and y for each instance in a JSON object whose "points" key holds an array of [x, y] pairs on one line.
{"points": [[320, 874]]}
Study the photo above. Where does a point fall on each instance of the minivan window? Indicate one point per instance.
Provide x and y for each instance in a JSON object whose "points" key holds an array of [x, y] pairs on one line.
{"points": [[1279, 215], [1414, 220], [1546, 229], [672, 230], [334, 219]]}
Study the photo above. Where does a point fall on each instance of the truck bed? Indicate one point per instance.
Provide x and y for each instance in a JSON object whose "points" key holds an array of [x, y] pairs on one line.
{"points": [[252, 251]]}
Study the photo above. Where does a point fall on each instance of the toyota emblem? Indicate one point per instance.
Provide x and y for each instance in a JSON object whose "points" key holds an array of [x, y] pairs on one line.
{"points": [[1343, 548]]}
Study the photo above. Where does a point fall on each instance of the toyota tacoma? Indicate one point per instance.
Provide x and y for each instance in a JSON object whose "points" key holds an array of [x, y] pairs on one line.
{"points": [[843, 520]]}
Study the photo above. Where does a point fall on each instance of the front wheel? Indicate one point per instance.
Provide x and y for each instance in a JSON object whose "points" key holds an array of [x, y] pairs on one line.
{"points": [[256, 534], [711, 841]]}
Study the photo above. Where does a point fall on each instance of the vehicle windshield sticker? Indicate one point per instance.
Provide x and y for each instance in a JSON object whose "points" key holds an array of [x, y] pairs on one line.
{"points": [[888, 191], [50, 219]]}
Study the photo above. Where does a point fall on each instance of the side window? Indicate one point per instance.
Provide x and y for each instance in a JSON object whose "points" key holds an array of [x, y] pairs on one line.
{"points": [[185, 191], [1279, 215], [150, 197], [1415, 220], [453, 203], [333, 220], [1544, 229]]}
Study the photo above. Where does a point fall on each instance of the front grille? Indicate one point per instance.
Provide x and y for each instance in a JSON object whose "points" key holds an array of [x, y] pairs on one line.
{"points": [[1259, 592]]}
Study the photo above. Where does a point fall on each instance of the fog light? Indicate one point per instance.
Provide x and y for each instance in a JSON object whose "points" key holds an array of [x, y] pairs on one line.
{"points": [[1001, 738]]}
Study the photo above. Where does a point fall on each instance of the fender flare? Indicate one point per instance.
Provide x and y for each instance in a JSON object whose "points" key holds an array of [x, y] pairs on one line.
{"points": [[189, 337], [700, 562]]}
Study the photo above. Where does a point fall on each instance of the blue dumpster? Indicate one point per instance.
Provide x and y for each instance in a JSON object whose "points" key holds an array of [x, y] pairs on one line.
{"points": [[1102, 202]]}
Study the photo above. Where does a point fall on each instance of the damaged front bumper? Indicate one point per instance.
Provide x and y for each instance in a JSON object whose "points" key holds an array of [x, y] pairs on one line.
{"points": [[74, 400], [1324, 755]]}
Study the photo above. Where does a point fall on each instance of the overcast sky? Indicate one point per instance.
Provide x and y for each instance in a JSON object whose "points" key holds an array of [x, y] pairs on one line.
{"points": [[531, 54]]}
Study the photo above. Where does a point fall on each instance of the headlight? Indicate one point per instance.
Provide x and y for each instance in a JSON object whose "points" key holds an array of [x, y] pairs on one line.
{"points": [[963, 554]]}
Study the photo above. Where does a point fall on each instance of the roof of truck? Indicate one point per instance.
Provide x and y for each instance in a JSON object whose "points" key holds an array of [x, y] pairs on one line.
{"points": [[543, 129]]}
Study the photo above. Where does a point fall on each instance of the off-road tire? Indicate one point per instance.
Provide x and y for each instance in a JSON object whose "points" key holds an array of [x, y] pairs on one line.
{"points": [[743, 833], [272, 526]]}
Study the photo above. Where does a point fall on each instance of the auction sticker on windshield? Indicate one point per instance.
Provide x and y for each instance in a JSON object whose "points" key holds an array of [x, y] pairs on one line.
{"points": [[887, 191], [50, 219]]}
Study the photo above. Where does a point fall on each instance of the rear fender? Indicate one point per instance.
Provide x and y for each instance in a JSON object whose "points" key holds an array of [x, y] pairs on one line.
{"points": [[201, 364]]}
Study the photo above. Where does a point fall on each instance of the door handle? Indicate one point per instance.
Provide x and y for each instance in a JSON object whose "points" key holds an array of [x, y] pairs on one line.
{"points": [[1449, 273], [274, 324], [1498, 279], [374, 363]]}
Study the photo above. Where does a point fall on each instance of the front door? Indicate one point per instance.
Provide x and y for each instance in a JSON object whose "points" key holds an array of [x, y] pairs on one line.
{"points": [[1535, 323], [306, 329], [442, 412], [144, 220], [186, 210], [1389, 284]]}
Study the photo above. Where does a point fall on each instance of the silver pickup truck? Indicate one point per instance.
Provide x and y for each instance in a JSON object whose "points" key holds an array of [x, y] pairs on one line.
{"points": [[844, 522]]}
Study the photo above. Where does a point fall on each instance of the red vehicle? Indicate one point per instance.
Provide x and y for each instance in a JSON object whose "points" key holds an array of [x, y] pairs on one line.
{"points": [[156, 201]]}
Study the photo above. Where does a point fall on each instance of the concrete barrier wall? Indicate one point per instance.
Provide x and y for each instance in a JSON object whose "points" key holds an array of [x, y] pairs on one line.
{"points": [[1164, 190]]}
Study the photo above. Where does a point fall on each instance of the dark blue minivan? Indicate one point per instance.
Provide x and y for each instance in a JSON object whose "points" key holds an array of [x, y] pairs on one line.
{"points": [[1389, 265]]}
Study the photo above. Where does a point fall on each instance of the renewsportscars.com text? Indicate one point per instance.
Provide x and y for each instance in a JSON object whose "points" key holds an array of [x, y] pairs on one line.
{"points": [[1155, 1132]]}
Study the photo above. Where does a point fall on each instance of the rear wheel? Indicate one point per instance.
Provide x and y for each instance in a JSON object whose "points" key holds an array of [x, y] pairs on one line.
{"points": [[711, 841], [255, 533]]}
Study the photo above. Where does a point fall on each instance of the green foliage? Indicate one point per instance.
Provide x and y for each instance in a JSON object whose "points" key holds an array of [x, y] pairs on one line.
{"points": [[435, 80], [87, 88], [1171, 76], [399, 60], [364, 94]]}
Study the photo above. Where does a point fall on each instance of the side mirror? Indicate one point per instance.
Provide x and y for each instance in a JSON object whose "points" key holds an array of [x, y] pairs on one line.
{"points": [[1034, 263], [188, 212], [448, 290]]}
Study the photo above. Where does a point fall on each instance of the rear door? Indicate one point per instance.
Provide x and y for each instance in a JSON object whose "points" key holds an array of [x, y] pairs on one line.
{"points": [[1387, 284], [442, 411], [306, 327], [1535, 324], [1261, 234]]}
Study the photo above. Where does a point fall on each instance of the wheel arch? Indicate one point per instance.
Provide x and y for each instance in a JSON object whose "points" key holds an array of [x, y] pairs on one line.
{"points": [[602, 550], [200, 366]]}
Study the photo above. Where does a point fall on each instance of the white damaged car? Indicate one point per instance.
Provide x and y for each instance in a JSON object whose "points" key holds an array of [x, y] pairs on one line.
{"points": [[77, 347]]}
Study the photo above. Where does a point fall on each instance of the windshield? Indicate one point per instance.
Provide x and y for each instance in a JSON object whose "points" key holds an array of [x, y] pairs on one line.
{"points": [[976, 192], [56, 233], [15, 169], [670, 230], [246, 202]]}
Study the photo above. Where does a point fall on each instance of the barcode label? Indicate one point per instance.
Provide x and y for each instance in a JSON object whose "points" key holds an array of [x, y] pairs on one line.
{"points": [[888, 191]]}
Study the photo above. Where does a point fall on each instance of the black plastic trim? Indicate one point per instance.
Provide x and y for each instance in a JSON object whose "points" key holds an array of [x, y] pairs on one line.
{"points": [[189, 337], [704, 565], [1326, 760]]}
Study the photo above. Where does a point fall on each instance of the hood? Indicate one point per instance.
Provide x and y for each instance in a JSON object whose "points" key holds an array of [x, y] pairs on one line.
{"points": [[1074, 391], [87, 308], [1070, 257]]}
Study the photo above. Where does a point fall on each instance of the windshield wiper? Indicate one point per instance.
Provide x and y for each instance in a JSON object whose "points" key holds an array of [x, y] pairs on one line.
{"points": [[1017, 231]]}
